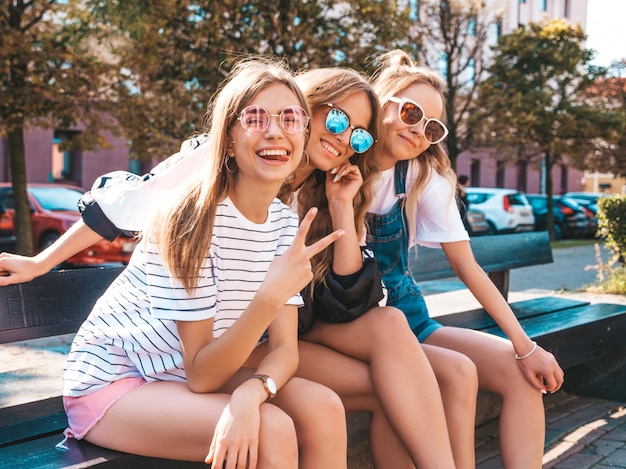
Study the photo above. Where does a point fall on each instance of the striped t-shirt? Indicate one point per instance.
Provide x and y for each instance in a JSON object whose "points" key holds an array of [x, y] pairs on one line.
{"points": [[131, 330]]}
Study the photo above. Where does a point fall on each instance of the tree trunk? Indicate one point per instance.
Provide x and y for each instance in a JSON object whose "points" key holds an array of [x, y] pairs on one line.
{"points": [[23, 230], [548, 163]]}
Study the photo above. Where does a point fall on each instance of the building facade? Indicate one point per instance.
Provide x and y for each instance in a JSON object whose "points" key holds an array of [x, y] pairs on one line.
{"points": [[486, 171]]}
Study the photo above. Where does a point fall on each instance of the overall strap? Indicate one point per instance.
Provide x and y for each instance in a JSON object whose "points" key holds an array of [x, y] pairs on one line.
{"points": [[400, 172]]}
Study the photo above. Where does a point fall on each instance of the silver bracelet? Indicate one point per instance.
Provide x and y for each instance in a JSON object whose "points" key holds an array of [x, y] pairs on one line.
{"points": [[517, 357]]}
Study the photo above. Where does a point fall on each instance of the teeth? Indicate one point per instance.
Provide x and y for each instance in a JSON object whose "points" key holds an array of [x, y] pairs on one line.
{"points": [[330, 148], [272, 153]]}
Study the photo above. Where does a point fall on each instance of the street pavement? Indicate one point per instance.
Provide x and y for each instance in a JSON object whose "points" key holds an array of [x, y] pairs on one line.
{"points": [[582, 432]]}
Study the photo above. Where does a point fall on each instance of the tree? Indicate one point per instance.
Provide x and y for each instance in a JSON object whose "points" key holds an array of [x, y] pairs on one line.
{"points": [[454, 38], [174, 53], [49, 76], [534, 102]]}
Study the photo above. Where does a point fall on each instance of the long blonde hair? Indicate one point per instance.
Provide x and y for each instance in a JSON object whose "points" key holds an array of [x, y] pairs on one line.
{"points": [[323, 86], [397, 72], [183, 229]]}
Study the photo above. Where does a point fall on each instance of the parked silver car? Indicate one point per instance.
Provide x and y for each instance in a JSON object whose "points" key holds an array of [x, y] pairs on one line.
{"points": [[506, 210]]}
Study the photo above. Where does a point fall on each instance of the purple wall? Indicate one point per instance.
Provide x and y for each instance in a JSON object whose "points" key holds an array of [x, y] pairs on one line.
{"points": [[564, 179], [86, 166]]}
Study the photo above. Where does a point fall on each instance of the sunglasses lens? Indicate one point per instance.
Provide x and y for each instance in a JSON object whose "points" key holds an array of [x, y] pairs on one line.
{"points": [[411, 113], [254, 119], [434, 131], [336, 121], [361, 140], [293, 119]]}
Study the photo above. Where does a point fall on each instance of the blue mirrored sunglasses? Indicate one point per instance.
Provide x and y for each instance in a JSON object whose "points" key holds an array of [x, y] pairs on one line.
{"points": [[337, 122]]}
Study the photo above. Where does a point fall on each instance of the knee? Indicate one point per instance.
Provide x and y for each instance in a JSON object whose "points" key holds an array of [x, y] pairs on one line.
{"points": [[389, 324], [460, 378], [278, 444]]}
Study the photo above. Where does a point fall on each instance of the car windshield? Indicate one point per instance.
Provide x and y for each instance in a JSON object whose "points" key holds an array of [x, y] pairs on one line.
{"points": [[57, 198]]}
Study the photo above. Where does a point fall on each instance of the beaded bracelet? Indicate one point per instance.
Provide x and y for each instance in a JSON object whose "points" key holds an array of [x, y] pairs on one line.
{"points": [[517, 357]]}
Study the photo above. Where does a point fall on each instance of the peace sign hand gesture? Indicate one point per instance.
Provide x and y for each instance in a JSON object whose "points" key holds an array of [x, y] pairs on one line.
{"points": [[291, 272]]}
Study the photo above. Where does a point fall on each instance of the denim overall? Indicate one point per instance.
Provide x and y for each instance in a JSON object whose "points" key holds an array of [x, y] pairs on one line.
{"points": [[389, 240]]}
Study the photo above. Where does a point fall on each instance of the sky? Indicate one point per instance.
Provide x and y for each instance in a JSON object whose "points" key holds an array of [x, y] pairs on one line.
{"points": [[606, 30]]}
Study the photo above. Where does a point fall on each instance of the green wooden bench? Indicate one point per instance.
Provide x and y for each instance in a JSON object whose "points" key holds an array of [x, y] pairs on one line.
{"points": [[58, 302]]}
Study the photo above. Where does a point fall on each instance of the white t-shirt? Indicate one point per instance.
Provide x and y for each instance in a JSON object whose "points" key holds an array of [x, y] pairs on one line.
{"points": [[437, 218], [131, 330]]}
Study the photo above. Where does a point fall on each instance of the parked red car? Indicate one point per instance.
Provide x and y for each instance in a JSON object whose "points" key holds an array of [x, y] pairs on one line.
{"points": [[53, 210]]}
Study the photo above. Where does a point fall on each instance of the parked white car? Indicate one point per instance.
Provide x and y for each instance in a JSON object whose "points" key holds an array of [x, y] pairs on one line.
{"points": [[506, 210]]}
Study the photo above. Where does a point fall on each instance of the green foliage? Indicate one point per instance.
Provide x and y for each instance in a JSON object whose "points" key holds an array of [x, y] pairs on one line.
{"points": [[612, 224], [454, 36], [174, 53]]}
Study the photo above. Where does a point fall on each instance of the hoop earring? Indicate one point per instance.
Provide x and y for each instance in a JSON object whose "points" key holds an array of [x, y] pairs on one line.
{"points": [[227, 159], [308, 160]]}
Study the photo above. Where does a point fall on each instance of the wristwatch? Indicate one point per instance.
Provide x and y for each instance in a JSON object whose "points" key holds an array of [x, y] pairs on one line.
{"points": [[268, 384]]}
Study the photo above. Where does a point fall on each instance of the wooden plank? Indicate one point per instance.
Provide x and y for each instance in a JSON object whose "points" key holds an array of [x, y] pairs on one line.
{"points": [[42, 454], [580, 334], [53, 304], [494, 254], [23, 422], [479, 319]]}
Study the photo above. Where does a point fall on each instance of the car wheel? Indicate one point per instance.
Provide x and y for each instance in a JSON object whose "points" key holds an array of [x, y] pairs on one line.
{"points": [[47, 239], [491, 229], [557, 232]]}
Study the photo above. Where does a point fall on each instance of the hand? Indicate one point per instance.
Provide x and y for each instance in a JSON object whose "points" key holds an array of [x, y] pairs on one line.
{"points": [[343, 183], [235, 443], [18, 269], [291, 272], [542, 370]]}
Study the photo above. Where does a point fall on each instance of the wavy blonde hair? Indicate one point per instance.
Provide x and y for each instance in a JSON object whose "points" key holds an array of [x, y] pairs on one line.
{"points": [[183, 228], [397, 72], [321, 87]]}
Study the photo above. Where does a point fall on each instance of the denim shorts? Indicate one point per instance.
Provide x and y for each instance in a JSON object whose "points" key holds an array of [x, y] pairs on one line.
{"points": [[412, 304]]}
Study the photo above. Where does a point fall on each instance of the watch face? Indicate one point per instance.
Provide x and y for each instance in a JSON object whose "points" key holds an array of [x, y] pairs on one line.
{"points": [[271, 385]]}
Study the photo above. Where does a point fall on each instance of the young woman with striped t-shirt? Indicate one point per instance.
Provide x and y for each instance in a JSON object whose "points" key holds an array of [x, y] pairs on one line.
{"points": [[160, 366]]}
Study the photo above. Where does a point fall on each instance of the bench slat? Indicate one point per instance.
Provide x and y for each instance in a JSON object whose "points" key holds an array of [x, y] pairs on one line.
{"points": [[494, 254], [53, 304], [578, 335], [479, 319], [37, 418], [41, 453]]}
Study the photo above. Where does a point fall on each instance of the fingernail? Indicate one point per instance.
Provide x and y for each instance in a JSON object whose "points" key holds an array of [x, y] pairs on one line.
{"points": [[333, 171], [336, 178], [543, 391]]}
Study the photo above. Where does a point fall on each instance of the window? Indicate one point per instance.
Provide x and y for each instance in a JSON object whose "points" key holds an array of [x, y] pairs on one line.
{"points": [[500, 171], [475, 173], [544, 5], [522, 179], [64, 162]]}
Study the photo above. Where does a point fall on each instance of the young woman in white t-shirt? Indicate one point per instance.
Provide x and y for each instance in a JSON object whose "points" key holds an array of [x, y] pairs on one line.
{"points": [[414, 204], [162, 366]]}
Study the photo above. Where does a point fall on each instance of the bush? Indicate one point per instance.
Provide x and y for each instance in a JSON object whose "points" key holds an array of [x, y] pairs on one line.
{"points": [[612, 224]]}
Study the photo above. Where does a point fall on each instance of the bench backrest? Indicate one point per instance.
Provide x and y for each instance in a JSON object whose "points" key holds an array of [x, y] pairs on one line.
{"points": [[53, 304], [493, 253], [58, 302]]}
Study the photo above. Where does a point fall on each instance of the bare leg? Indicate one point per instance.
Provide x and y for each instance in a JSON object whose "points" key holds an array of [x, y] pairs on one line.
{"points": [[167, 420], [320, 421], [350, 379], [402, 379], [522, 419], [458, 381]]}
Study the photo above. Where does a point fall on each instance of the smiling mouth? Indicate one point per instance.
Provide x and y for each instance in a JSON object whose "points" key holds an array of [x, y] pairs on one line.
{"points": [[274, 155], [330, 148]]}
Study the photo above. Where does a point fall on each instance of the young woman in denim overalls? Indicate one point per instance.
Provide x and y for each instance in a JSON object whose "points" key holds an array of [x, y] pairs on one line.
{"points": [[414, 203]]}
